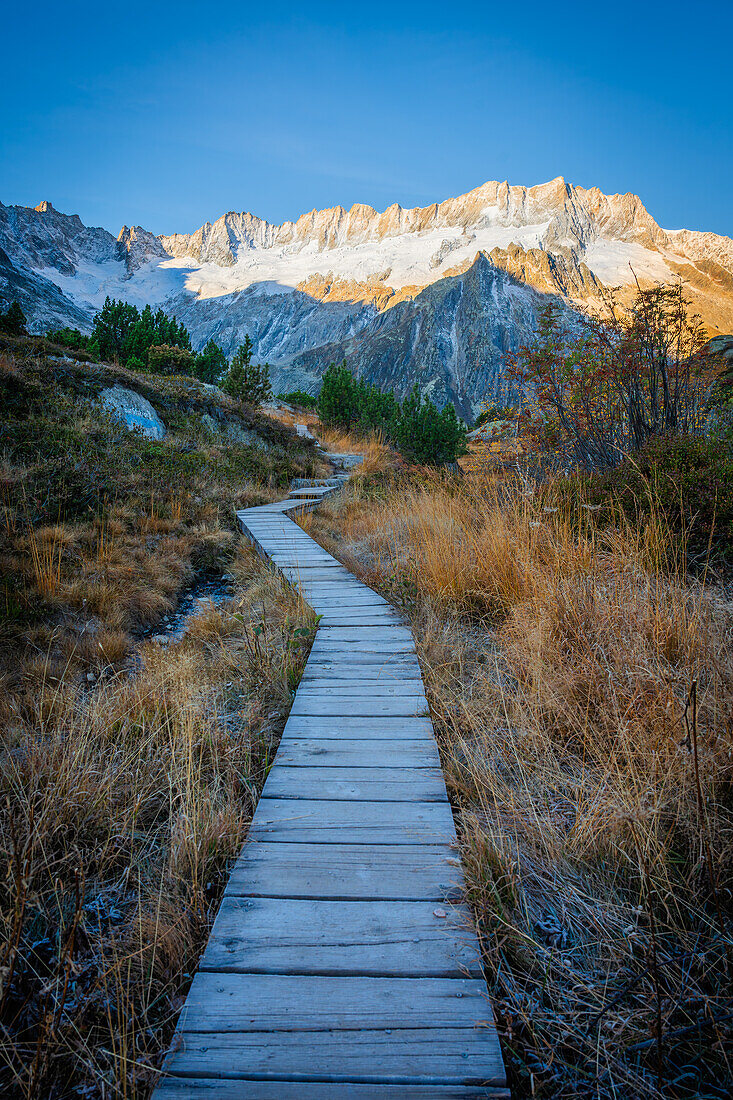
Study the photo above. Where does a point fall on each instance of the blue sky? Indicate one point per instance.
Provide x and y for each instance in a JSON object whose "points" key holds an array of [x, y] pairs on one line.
{"points": [[168, 116]]}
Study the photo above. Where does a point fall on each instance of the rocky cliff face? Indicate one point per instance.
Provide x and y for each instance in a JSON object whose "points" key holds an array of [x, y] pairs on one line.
{"points": [[137, 246], [434, 295]]}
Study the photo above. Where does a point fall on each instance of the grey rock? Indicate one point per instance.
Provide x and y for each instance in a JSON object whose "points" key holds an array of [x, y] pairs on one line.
{"points": [[237, 434], [133, 410], [136, 246], [213, 391], [231, 431]]}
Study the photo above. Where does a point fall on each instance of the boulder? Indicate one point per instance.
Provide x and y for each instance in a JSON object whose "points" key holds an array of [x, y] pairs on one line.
{"points": [[133, 410], [232, 431], [237, 434]]}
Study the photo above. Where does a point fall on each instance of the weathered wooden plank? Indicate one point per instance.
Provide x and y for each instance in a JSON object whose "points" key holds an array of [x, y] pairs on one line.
{"points": [[347, 635], [287, 538], [357, 753], [321, 598], [197, 1088], [284, 1002], [306, 936], [355, 672], [358, 598], [360, 668], [355, 618], [458, 1056], [347, 871], [336, 587], [385, 784], [323, 821], [306, 550], [302, 558], [337, 703], [305, 574], [365, 729], [316, 492], [381, 685], [331, 642], [391, 654], [296, 570], [367, 637]]}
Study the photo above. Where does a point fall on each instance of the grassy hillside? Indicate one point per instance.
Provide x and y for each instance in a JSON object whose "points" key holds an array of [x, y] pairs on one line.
{"points": [[130, 769], [102, 527]]}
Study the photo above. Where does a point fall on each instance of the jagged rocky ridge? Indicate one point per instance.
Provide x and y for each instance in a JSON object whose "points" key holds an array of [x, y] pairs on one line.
{"points": [[434, 295]]}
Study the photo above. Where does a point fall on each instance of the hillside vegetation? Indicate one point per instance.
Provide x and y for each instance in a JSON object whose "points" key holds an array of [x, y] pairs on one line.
{"points": [[130, 769]]}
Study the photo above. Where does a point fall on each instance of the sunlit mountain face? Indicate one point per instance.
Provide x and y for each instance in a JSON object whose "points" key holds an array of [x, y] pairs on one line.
{"points": [[435, 295]]}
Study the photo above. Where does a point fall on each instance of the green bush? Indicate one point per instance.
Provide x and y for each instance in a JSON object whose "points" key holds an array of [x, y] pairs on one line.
{"points": [[12, 320], [69, 338], [427, 436], [122, 332], [167, 359], [300, 398], [689, 479], [211, 363], [491, 411]]}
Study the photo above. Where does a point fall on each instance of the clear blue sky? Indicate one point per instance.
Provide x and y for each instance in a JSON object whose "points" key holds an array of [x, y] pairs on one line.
{"points": [[169, 115]]}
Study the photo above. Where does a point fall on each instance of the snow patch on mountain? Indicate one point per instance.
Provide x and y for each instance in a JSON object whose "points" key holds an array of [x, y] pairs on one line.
{"points": [[409, 260], [616, 263], [154, 281]]}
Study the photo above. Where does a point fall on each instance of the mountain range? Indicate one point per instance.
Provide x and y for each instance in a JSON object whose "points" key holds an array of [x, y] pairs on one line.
{"points": [[433, 295]]}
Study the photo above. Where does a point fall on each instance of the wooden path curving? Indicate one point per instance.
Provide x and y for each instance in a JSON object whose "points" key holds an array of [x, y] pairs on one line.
{"points": [[342, 962]]}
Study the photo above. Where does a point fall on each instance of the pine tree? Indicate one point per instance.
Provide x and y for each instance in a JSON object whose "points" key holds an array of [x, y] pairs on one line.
{"points": [[69, 338], [245, 380], [112, 327], [210, 363], [338, 400], [13, 320], [427, 436]]}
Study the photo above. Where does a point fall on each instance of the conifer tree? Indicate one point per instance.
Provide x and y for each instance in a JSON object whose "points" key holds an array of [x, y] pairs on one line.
{"points": [[246, 380], [112, 328], [211, 362], [169, 359], [13, 320]]}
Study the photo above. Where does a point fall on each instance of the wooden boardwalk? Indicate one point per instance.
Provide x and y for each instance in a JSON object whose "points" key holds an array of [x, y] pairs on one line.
{"points": [[342, 962]]}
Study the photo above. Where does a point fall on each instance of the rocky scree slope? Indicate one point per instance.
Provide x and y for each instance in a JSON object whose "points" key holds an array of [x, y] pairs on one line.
{"points": [[433, 295]]}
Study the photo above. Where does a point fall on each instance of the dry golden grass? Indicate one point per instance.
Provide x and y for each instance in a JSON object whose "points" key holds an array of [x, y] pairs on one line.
{"points": [[121, 807], [593, 801], [378, 455]]}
